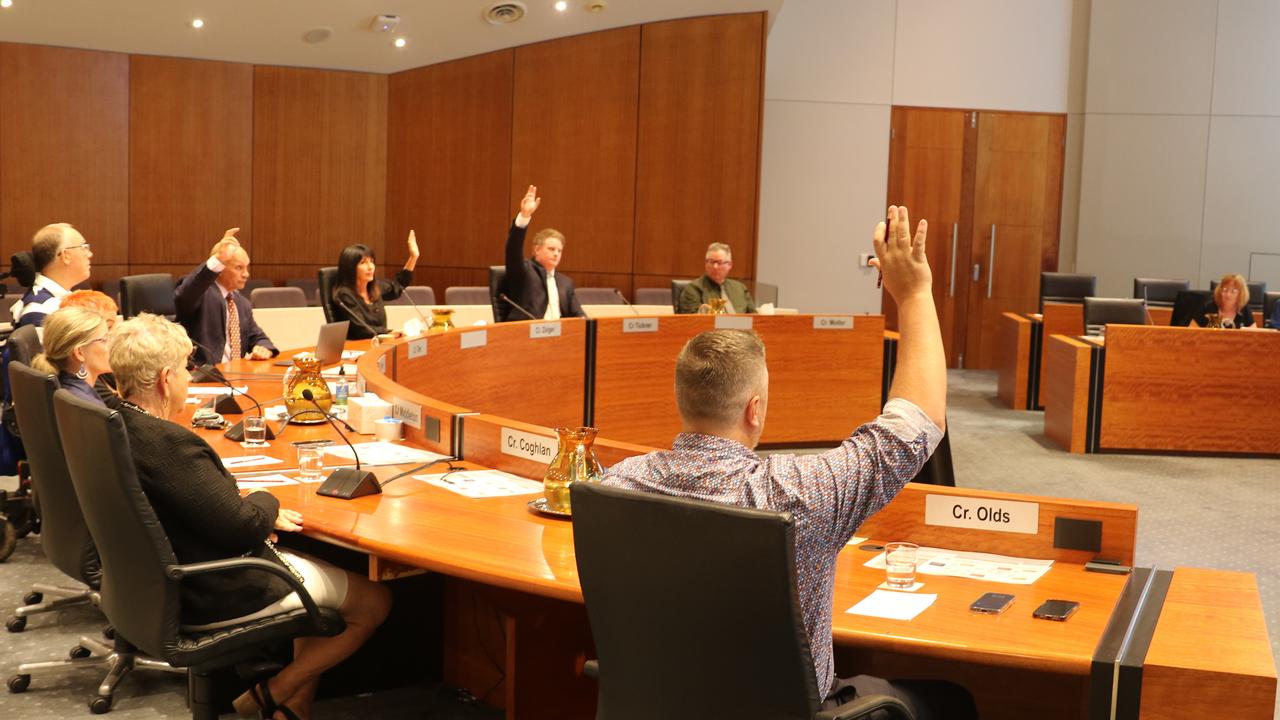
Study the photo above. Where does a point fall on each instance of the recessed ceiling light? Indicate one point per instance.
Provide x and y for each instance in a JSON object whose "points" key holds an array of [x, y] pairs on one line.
{"points": [[561, 6], [400, 42], [6, 3], [197, 23]]}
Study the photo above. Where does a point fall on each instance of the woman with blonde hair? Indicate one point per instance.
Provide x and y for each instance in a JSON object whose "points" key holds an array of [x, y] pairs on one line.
{"points": [[1230, 304], [206, 518], [75, 350]]}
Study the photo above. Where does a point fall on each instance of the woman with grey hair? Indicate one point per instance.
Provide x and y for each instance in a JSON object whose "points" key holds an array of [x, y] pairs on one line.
{"points": [[206, 518]]}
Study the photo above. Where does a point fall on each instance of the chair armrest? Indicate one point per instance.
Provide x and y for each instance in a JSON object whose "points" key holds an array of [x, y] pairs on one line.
{"points": [[864, 706], [179, 572]]}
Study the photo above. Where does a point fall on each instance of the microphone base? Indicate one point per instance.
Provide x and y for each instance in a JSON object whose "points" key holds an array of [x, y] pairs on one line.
{"points": [[227, 405], [349, 483], [236, 432]]}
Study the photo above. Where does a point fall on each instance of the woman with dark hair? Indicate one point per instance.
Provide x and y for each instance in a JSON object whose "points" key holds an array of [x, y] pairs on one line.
{"points": [[357, 295]]}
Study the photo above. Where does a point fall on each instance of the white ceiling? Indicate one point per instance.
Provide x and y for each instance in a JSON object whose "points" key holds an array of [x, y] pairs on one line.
{"points": [[269, 32]]}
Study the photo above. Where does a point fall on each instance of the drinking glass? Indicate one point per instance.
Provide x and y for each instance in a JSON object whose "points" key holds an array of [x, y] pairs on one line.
{"points": [[310, 463], [900, 564], [255, 430]]}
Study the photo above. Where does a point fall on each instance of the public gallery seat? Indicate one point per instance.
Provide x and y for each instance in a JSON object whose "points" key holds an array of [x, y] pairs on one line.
{"points": [[1066, 287], [704, 622], [1098, 312], [1159, 292]]}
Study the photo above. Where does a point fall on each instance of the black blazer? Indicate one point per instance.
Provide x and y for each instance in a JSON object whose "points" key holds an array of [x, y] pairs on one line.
{"points": [[526, 284], [368, 319], [202, 512], [202, 312], [1244, 316]]}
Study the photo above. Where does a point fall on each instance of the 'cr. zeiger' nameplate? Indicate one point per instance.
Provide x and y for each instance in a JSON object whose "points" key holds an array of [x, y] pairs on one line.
{"points": [[538, 448], [544, 330], [640, 325], [827, 322], [982, 513]]}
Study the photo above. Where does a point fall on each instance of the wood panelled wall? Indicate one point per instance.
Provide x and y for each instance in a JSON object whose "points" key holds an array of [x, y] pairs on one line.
{"points": [[644, 143]]}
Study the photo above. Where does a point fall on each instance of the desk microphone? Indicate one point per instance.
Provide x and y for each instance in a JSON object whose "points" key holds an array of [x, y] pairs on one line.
{"points": [[425, 322], [344, 483], [516, 305], [623, 298]]}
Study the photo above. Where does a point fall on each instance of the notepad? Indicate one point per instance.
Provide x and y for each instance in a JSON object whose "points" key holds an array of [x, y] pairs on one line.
{"points": [[892, 605]]}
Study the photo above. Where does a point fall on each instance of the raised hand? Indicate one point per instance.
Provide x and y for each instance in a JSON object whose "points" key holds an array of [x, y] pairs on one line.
{"points": [[900, 257], [225, 248], [530, 202], [413, 245]]}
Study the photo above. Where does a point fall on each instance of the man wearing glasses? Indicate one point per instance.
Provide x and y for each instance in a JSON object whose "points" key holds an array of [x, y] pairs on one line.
{"points": [[63, 257], [716, 283]]}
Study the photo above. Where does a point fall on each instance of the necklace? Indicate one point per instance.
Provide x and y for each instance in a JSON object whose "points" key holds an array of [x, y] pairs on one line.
{"points": [[134, 406]]}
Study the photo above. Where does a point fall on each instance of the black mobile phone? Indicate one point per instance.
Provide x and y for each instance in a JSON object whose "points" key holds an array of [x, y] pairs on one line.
{"points": [[992, 603], [1056, 610]]}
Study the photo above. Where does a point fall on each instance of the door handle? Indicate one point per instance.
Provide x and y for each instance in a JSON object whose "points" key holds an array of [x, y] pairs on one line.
{"points": [[977, 271], [955, 237], [991, 262]]}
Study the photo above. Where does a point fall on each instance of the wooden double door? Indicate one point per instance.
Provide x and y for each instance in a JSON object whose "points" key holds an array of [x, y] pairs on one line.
{"points": [[990, 185]]}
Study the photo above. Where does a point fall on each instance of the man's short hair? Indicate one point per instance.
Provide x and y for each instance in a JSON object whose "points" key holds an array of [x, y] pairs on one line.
{"points": [[546, 234], [713, 247], [46, 244], [717, 372]]}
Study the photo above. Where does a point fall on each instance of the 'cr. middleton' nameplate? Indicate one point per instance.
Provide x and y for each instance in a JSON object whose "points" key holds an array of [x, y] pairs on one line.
{"points": [[982, 513], [538, 448]]}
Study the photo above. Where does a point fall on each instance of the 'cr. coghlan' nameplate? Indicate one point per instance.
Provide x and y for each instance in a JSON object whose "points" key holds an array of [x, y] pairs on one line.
{"points": [[828, 322], [538, 448], [640, 325], [544, 330], [982, 513]]}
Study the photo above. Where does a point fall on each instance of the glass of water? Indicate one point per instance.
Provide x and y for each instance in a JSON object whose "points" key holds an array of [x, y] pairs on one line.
{"points": [[310, 463], [900, 564], [255, 430]]}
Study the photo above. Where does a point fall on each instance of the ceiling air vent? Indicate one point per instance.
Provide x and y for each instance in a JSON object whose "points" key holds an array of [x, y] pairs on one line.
{"points": [[504, 13]]}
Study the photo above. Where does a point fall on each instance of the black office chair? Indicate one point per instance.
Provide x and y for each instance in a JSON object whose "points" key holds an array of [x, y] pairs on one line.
{"points": [[1066, 287], [141, 595], [1099, 312], [677, 287], [938, 469], [1269, 301], [1158, 291], [325, 279], [1187, 306], [151, 293], [1257, 293], [111, 288], [497, 285], [705, 622]]}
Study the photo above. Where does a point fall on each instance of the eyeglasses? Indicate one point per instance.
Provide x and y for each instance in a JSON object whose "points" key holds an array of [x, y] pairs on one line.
{"points": [[85, 246], [102, 340], [719, 263]]}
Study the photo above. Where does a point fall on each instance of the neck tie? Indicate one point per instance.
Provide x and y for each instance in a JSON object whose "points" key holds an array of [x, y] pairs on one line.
{"points": [[553, 299], [728, 304], [233, 329]]}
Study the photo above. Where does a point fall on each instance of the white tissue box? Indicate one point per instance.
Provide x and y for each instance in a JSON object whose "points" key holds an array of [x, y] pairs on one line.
{"points": [[364, 411]]}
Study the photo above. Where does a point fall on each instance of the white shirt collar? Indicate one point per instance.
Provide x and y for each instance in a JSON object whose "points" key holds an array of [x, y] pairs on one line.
{"points": [[47, 283]]}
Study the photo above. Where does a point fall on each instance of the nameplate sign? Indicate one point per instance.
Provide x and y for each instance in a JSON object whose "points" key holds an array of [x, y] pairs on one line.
{"points": [[538, 448], [640, 325], [822, 322], [982, 514], [382, 364], [733, 322], [474, 339], [406, 412], [544, 330], [418, 348]]}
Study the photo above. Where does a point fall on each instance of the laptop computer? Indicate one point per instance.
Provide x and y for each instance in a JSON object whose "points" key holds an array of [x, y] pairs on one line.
{"points": [[329, 344]]}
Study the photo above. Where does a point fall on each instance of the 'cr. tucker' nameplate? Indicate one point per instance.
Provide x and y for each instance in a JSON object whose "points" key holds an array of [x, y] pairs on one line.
{"points": [[982, 513], [538, 448]]}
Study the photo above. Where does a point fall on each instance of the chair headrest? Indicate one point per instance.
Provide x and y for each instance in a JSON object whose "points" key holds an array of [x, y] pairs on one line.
{"points": [[22, 266]]}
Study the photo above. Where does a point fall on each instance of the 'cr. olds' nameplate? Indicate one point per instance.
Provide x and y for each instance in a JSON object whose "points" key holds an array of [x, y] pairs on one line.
{"points": [[733, 322], [982, 513], [544, 330], [538, 448], [826, 322], [473, 339], [640, 325], [407, 412]]}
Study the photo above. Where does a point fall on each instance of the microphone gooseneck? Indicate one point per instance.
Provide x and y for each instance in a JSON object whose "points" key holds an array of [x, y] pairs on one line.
{"points": [[311, 398], [516, 305], [624, 300]]}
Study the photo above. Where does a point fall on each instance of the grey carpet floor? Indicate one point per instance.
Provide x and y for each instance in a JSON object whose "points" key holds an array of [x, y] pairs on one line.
{"points": [[1199, 512]]}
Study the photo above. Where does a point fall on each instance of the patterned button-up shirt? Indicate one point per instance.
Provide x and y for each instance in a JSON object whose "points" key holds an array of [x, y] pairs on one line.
{"points": [[828, 494]]}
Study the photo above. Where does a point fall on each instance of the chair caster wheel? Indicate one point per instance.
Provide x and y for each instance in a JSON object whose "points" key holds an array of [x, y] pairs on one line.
{"points": [[19, 683], [16, 623], [79, 651], [32, 598], [100, 705], [109, 632]]}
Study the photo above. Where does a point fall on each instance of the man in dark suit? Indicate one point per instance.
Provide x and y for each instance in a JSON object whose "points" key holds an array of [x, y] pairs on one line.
{"points": [[217, 317], [533, 283]]}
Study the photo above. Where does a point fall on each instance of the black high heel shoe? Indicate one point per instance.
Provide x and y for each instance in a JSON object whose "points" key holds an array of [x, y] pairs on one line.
{"points": [[267, 706]]}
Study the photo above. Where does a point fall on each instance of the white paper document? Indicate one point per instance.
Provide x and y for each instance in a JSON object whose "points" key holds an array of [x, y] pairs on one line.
{"points": [[381, 452], [245, 461], [264, 481], [482, 483], [979, 566], [892, 605], [351, 354], [855, 540], [213, 390]]}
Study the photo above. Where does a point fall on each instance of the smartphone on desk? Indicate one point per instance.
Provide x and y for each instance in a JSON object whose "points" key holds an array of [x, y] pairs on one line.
{"points": [[992, 603], [1056, 610]]}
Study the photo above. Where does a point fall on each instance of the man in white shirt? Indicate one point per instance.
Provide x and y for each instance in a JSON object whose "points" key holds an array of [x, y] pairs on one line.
{"points": [[535, 290], [63, 258]]}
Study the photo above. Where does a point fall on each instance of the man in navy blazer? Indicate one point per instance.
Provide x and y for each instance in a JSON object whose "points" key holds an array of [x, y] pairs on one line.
{"points": [[534, 284], [208, 300]]}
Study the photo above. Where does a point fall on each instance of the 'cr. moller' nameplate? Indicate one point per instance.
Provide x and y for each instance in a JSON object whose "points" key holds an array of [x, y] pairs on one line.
{"points": [[982, 513], [733, 322], [544, 329], [474, 339], [827, 322], [640, 325], [538, 448]]}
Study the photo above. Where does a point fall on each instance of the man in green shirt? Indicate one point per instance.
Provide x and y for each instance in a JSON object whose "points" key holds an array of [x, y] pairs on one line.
{"points": [[716, 283]]}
